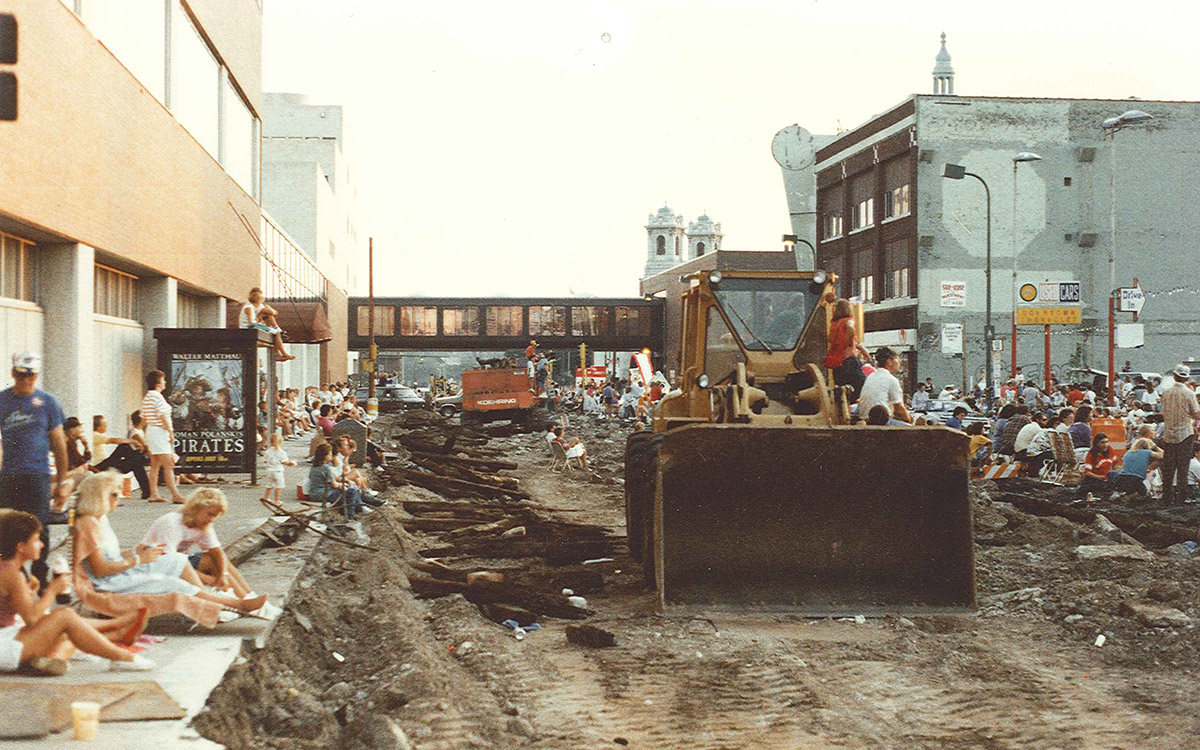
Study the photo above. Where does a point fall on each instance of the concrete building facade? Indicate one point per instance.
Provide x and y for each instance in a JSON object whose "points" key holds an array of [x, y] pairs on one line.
{"points": [[131, 178], [912, 245], [309, 184]]}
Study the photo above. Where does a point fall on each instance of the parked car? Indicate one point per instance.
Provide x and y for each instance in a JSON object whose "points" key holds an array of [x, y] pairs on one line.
{"points": [[937, 411], [448, 406], [393, 398]]}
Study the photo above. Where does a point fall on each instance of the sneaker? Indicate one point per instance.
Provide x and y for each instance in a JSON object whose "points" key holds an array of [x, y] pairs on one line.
{"points": [[226, 615], [268, 611], [44, 665], [139, 664]]}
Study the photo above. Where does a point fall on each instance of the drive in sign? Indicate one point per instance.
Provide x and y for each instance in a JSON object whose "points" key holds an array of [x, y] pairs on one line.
{"points": [[1132, 299]]}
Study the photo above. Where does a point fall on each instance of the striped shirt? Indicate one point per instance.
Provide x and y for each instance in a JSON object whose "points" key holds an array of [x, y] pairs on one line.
{"points": [[1179, 408], [156, 410]]}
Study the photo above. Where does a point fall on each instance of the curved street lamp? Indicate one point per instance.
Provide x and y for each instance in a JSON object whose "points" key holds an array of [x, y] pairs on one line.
{"points": [[1024, 156], [957, 172], [1111, 126]]}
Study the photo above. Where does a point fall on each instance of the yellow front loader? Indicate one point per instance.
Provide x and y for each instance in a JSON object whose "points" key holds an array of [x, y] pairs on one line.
{"points": [[753, 491]]}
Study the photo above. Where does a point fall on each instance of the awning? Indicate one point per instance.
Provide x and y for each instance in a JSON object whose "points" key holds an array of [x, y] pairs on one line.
{"points": [[302, 322]]}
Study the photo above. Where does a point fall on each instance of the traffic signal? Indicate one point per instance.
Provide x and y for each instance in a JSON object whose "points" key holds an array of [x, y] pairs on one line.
{"points": [[8, 56]]}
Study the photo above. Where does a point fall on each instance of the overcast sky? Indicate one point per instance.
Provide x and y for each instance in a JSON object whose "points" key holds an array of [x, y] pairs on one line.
{"points": [[517, 148]]}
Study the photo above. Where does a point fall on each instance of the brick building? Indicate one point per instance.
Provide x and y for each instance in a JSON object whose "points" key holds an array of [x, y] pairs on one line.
{"points": [[895, 230]]}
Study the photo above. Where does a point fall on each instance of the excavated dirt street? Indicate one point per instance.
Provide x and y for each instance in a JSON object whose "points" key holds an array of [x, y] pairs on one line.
{"points": [[435, 673]]}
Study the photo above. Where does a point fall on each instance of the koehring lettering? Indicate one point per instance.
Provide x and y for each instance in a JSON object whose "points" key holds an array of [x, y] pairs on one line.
{"points": [[210, 442]]}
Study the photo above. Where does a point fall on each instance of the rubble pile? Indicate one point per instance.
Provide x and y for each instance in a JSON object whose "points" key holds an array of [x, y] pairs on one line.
{"points": [[1124, 578]]}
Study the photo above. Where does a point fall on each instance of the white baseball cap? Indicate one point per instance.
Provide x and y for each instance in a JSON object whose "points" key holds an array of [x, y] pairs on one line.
{"points": [[27, 363]]}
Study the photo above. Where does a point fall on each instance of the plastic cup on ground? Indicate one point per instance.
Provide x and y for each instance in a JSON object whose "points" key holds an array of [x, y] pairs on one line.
{"points": [[85, 717]]}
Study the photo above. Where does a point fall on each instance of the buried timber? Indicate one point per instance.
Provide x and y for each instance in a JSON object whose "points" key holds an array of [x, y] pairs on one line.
{"points": [[375, 651]]}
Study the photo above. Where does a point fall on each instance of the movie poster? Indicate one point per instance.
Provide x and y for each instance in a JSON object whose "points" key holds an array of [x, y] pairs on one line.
{"points": [[208, 407]]}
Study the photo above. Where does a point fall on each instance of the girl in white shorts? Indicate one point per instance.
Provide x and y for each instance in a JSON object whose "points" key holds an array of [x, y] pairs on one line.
{"points": [[274, 459]]}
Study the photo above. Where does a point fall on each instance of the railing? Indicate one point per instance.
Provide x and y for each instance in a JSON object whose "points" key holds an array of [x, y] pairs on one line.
{"points": [[287, 271]]}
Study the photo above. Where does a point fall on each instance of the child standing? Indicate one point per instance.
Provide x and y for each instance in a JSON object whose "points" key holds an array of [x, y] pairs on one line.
{"points": [[274, 459]]}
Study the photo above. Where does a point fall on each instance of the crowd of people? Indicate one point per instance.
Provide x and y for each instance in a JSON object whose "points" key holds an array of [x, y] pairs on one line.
{"points": [[1061, 425], [51, 472]]}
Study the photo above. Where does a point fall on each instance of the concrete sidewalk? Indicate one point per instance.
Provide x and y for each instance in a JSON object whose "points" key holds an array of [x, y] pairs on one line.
{"points": [[190, 663]]}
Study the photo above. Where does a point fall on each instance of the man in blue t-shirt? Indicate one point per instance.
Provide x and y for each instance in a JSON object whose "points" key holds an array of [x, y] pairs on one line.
{"points": [[30, 426]]}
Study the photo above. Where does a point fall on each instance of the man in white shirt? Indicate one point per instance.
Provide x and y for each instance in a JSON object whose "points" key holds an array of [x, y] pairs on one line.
{"points": [[1027, 434], [882, 387], [920, 399], [949, 392]]}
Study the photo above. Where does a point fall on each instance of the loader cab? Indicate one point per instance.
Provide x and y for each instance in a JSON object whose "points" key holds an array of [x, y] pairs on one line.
{"points": [[750, 336], [763, 319]]}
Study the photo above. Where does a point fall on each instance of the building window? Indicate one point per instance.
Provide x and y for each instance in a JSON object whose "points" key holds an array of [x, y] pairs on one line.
{"points": [[660, 245], [385, 320], [699, 249], [195, 81], [460, 321], [895, 202], [900, 268], [504, 321], [115, 293], [632, 321], [547, 320], [187, 311], [589, 321], [418, 321], [17, 269], [864, 214], [135, 32], [239, 138], [831, 225], [862, 276]]}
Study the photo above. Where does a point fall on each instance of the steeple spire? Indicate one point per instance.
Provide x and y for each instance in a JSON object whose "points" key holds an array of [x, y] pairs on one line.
{"points": [[943, 73]]}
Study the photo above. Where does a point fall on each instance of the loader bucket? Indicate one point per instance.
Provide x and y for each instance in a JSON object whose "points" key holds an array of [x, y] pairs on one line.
{"points": [[817, 521]]}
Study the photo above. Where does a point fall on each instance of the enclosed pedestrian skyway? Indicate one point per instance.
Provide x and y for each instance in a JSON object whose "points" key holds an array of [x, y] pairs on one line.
{"points": [[504, 323]]}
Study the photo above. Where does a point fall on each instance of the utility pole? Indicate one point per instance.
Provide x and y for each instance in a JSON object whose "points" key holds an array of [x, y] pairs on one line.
{"points": [[372, 402]]}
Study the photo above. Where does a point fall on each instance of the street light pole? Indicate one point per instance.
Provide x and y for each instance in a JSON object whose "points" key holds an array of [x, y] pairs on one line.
{"points": [[1024, 156], [1110, 128], [957, 172], [372, 403]]}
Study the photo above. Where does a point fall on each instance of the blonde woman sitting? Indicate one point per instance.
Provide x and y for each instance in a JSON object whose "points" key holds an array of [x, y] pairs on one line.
{"points": [[144, 570], [191, 532]]}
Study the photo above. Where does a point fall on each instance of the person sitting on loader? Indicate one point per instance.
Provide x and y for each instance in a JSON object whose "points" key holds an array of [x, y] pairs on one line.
{"points": [[842, 355]]}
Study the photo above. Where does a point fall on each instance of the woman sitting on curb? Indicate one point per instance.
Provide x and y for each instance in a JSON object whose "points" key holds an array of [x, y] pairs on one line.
{"points": [[325, 487], [42, 640], [142, 570]]}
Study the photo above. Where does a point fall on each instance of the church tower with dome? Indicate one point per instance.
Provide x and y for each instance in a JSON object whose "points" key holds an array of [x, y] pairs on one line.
{"points": [[665, 246], [943, 73], [703, 237]]}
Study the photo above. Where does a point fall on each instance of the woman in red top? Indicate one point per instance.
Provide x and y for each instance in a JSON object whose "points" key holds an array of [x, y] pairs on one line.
{"points": [[1097, 466], [842, 356]]}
